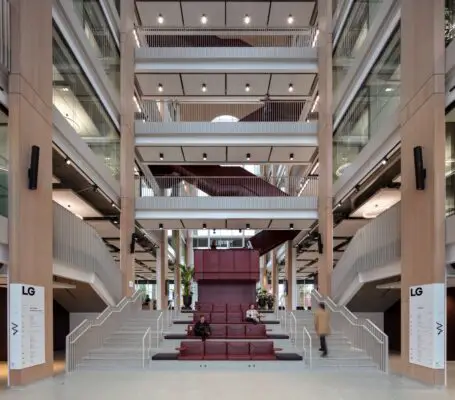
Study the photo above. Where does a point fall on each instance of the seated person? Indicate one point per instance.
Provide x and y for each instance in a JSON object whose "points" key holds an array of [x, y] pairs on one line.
{"points": [[252, 315], [202, 328], [213, 245]]}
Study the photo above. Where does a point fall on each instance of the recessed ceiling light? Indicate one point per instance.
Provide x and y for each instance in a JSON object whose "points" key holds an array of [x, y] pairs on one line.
{"points": [[291, 88], [247, 87], [204, 156], [160, 87], [247, 226], [384, 162], [204, 226], [160, 226], [204, 87], [69, 205], [291, 227], [68, 161], [290, 19], [389, 89], [113, 205], [160, 19], [246, 19], [115, 221], [204, 19], [291, 156], [161, 156], [248, 156]]}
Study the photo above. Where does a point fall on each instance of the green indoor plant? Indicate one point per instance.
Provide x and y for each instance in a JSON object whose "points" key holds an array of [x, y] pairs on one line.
{"points": [[186, 279], [261, 298]]}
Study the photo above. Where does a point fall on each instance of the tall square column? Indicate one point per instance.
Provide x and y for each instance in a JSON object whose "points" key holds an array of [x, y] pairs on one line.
{"points": [[325, 138], [30, 219], [422, 124], [290, 275], [161, 271], [127, 186]]}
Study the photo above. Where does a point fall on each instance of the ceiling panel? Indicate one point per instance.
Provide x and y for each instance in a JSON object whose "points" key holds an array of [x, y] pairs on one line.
{"points": [[74, 203], [153, 224], [214, 154], [170, 10], [376, 205], [139, 255], [236, 11], [213, 10], [299, 224], [349, 227], [149, 84], [236, 84], [151, 154], [199, 223], [150, 264], [300, 154], [301, 83], [242, 223], [215, 84], [257, 154], [301, 12], [104, 228]]}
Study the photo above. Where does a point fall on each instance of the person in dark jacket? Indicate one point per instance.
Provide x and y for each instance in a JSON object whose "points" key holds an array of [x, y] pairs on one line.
{"points": [[202, 329], [213, 245]]}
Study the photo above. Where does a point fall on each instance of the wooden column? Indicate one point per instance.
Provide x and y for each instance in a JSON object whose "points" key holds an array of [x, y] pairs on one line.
{"points": [[325, 137], [290, 275], [178, 261], [127, 186], [422, 124], [30, 218]]}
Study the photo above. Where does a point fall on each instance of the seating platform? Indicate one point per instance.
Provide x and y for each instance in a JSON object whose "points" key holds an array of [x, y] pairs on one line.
{"points": [[175, 357], [222, 318], [225, 308]]}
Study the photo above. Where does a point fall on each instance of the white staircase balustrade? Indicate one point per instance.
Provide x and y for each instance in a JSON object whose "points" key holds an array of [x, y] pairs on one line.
{"points": [[307, 347], [90, 335], [146, 345]]}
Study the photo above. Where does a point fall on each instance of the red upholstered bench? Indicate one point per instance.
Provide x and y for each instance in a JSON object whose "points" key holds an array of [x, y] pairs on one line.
{"points": [[219, 308], [218, 318], [191, 350], [234, 308], [255, 331], [205, 307], [262, 351], [215, 350], [234, 318], [197, 316], [235, 331], [238, 351], [218, 331]]}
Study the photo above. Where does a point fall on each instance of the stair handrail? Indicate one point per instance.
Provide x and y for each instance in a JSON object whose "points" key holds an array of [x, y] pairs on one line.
{"points": [[90, 334], [159, 324], [293, 328], [305, 352], [148, 333], [358, 331]]}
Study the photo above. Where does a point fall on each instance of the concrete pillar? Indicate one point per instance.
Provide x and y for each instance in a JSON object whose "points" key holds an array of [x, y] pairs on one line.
{"points": [[275, 275], [30, 211], [263, 273], [127, 187], [290, 275], [178, 261], [162, 263], [422, 124], [190, 259], [325, 135]]}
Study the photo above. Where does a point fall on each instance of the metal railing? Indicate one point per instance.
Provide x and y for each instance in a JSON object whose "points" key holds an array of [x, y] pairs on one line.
{"points": [[91, 334], [159, 329], [361, 333], [376, 244], [5, 34], [293, 328], [229, 186], [146, 350], [213, 110], [307, 347], [225, 37], [78, 245]]}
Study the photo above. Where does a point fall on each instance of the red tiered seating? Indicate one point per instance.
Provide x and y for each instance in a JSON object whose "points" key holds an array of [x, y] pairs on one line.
{"points": [[197, 316], [262, 351], [255, 331], [218, 318], [205, 307], [235, 331], [191, 350], [215, 351], [238, 351], [219, 308], [234, 318], [234, 308], [218, 331]]}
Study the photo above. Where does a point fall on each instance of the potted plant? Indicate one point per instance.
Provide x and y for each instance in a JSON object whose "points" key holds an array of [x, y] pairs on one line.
{"points": [[186, 279], [261, 298], [270, 301]]}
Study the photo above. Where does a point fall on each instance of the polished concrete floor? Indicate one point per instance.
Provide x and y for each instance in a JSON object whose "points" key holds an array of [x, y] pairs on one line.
{"points": [[211, 383]]}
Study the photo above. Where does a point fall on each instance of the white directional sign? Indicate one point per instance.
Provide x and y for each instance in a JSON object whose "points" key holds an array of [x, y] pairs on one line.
{"points": [[427, 315], [27, 326]]}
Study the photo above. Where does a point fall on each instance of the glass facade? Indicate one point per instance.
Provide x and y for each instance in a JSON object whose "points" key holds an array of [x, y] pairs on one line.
{"points": [[449, 16], [377, 99], [352, 38], [99, 35], [76, 100]]}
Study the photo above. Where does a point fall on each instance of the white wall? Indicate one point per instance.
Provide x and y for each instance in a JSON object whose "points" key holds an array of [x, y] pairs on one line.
{"points": [[377, 318], [77, 318]]}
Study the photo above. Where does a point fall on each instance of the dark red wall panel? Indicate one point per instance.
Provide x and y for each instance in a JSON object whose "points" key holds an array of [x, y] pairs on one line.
{"points": [[227, 292]]}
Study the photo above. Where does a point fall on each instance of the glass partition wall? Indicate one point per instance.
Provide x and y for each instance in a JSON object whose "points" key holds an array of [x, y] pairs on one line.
{"points": [[377, 99], [76, 100]]}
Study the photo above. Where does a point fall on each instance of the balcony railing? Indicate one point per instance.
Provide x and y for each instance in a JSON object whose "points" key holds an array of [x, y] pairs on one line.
{"points": [[228, 186], [222, 112], [225, 37], [375, 245], [77, 245]]}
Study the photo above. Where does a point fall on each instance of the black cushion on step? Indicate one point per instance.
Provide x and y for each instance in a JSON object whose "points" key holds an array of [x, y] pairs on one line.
{"points": [[288, 357], [180, 322], [182, 336], [165, 357]]}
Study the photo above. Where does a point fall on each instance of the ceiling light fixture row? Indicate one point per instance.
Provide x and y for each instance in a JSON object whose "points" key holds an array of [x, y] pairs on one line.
{"points": [[246, 20]]}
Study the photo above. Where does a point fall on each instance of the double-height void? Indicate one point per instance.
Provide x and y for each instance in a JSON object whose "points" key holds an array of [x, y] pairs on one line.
{"points": [[226, 110]]}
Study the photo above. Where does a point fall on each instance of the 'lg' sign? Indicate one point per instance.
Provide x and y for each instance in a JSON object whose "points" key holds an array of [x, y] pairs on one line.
{"points": [[416, 292], [30, 291]]}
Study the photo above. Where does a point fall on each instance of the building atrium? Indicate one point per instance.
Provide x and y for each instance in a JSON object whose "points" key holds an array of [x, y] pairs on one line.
{"points": [[227, 198]]}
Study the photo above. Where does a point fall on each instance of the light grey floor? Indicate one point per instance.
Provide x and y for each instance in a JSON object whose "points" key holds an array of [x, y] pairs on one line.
{"points": [[210, 384]]}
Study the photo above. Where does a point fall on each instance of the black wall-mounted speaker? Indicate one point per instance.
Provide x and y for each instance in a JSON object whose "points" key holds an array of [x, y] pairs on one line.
{"points": [[33, 169], [320, 244], [419, 169], [133, 243]]}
